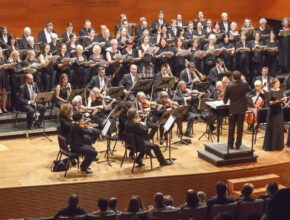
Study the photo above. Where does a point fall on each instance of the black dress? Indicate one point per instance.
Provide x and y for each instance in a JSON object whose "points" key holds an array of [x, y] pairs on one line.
{"points": [[274, 134], [4, 79]]}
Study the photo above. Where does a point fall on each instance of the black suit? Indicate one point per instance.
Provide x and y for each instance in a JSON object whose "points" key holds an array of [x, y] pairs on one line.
{"points": [[95, 82], [65, 37], [184, 77], [24, 103], [269, 81], [81, 142], [140, 135], [22, 42], [236, 92], [41, 36], [127, 82], [70, 211], [223, 27], [213, 77], [156, 23]]}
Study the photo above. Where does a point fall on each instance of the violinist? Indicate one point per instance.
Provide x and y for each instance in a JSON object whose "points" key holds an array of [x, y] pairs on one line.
{"points": [[259, 100], [145, 109], [81, 139], [77, 104], [184, 97], [218, 92], [139, 132], [164, 104]]}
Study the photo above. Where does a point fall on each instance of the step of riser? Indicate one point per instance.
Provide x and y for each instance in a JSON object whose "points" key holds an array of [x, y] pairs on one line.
{"points": [[231, 156]]}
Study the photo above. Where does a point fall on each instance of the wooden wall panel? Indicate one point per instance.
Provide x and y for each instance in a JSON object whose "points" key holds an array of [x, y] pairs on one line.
{"points": [[17, 14], [277, 9]]}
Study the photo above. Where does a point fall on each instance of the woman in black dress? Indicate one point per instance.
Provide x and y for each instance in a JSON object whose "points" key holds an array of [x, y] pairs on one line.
{"points": [[4, 82], [274, 134], [62, 90]]}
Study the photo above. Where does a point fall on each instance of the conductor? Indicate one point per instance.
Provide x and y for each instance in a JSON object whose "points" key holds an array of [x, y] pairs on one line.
{"points": [[236, 91]]}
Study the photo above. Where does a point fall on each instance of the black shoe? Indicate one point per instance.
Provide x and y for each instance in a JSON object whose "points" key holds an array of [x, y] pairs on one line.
{"points": [[161, 141], [187, 134], [166, 163], [139, 163], [87, 170], [238, 147], [231, 146]]}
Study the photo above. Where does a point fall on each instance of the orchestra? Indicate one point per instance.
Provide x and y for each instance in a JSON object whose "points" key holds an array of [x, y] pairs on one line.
{"points": [[192, 52]]}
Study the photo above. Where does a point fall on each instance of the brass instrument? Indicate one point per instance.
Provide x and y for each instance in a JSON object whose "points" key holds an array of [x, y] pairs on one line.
{"points": [[202, 77]]}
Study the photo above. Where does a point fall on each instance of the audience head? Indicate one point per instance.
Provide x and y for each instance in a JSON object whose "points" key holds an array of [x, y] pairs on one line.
{"points": [[73, 201], [158, 199], [221, 189], [132, 113], [191, 198], [168, 200], [279, 206], [103, 204], [272, 189], [112, 203], [134, 205], [201, 197], [247, 190]]}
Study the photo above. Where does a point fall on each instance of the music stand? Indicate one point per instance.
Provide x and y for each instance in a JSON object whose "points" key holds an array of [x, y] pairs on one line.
{"points": [[202, 86], [74, 93], [179, 113], [165, 83], [115, 92], [227, 74], [44, 97], [142, 85]]}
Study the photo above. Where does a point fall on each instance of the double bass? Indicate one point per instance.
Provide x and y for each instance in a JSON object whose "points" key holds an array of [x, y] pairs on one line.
{"points": [[259, 102]]}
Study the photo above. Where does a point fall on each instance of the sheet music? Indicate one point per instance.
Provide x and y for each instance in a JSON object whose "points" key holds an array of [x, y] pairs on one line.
{"points": [[106, 128], [169, 123]]}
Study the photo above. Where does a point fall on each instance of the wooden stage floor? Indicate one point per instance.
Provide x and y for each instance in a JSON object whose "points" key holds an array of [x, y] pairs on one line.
{"points": [[26, 162]]}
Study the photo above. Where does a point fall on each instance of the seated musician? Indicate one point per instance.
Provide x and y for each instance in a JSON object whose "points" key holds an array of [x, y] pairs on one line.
{"points": [[139, 132], [164, 104], [27, 102], [129, 80], [164, 72], [65, 120], [62, 90], [214, 73], [99, 80], [188, 75], [218, 92], [96, 106], [81, 139], [265, 78], [184, 97], [144, 108], [77, 104]]}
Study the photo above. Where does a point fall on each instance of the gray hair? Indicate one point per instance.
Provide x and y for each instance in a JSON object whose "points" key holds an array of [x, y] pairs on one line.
{"points": [[76, 99], [262, 21]]}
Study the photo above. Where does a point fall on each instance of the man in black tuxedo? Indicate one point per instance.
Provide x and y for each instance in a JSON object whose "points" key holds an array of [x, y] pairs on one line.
{"points": [[69, 30], [143, 25], [225, 24], [44, 36], [128, 81], [265, 79], [26, 101], [99, 80], [72, 208], [84, 31], [22, 42], [119, 25], [188, 75], [236, 92], [190, 31], [214, 73], [139, 132], [81, 138], [179, 22], [158, 22]]}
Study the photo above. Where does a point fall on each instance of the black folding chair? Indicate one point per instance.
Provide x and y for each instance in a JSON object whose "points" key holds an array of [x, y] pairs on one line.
{"points": [[65, 150], [248, 209], [131, 146]]}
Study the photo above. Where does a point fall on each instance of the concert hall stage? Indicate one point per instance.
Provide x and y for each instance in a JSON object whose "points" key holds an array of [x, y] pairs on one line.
{"points": [[28, 188]]}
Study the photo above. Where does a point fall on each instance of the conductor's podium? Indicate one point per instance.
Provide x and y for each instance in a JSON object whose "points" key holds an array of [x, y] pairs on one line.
{"points": [[218, 153]]}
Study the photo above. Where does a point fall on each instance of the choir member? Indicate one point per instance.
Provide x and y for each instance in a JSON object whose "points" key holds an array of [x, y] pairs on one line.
{"points": [[274, 134], [23, 39], [62, 90], [225, 24], [97, 58], [271, 54], [71, 45], [31, 45], [16, 76], [81, 72], [234, 32], [44, 36], [47, 70], [122, 36], [200, 18], [85, 29], [26, 97], [69, 30], [190, 30], [179, 22], [54, 44], [210, 58], [243, 56], [89, 41], [228, 54], [4, 82], [4, 36], [208, 28], [118, 26], [196, 60], [161, 58], [31, 65], [284, 47], [256, 56], [131, 53], [178, 62], [146, 58], [105, 37], [160, 21], [62, 64], [173, 30], [264, 31], [113, 63], [199, 30], [12, 45], [139, 30]]}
